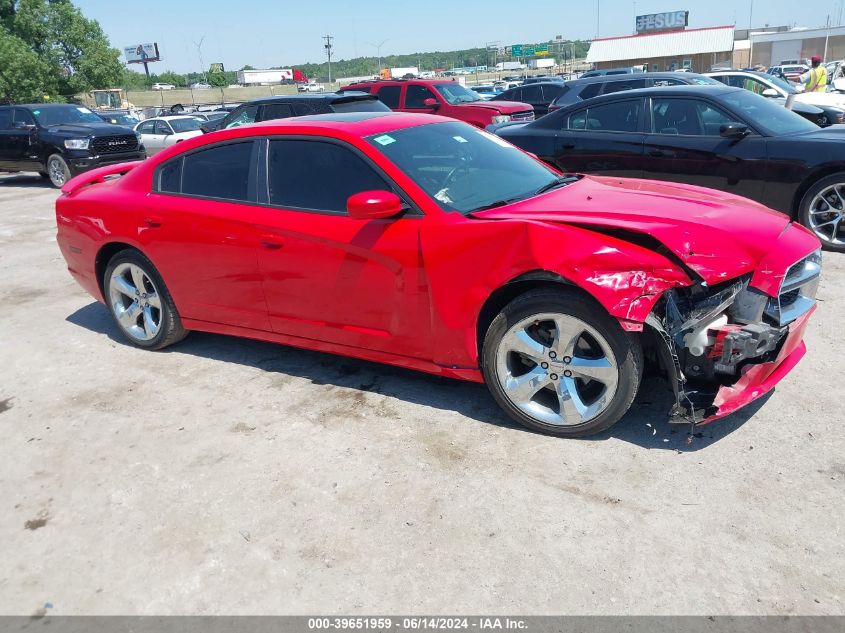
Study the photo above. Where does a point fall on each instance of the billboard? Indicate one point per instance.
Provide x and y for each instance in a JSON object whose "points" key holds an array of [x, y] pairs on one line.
{"points": [[216, 67], [669, 21], [141, 53]]}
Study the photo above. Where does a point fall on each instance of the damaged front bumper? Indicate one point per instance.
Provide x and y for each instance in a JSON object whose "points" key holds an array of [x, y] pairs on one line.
{"points": [[723, 348]]}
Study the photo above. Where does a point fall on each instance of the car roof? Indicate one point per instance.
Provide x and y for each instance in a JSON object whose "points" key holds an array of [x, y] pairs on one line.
{"points": [[355, 123], [632, 76], [319, 96], [402, 81], [42, 106], [170, 117], [685, 90]]}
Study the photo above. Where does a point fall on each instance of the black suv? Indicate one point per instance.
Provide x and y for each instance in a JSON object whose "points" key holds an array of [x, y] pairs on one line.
{"points": [[285, 106], [61, 140]]}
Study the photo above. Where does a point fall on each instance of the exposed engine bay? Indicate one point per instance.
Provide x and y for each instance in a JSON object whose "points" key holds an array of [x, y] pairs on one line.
{"points": [[709, 335]]}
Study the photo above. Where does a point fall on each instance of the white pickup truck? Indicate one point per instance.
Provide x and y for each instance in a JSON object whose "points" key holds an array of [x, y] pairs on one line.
{"points": [[311, 86]]}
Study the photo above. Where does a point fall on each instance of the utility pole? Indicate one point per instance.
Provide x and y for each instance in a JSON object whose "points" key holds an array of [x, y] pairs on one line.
{"points": [[328, 47]]}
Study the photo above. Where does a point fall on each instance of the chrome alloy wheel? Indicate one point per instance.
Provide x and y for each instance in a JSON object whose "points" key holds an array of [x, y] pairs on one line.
{"points": [[56, 171], [135, 302], [827, 211], [557, 369]]}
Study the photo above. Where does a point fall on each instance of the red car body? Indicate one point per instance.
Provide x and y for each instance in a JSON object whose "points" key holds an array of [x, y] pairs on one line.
{"points": [[418, 292], [478, 113]]}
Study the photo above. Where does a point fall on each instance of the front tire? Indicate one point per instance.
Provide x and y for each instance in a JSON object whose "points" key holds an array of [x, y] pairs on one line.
{"points": [[555, 362], [57, 171], [139, 302], [822, 211]]}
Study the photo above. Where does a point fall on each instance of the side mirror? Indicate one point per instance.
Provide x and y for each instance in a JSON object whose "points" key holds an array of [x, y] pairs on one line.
{"points": [[373, 205], [770, 92], [733, 130], [431, 103]]}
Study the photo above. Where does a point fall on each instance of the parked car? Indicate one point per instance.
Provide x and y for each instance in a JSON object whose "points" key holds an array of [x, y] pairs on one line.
{"points": [[311, 86], [792, 72], [714, 136], [165, 131], [769, 85], [200, 85], [505, 84], [284, 106], [538, 95], [611, 71], [442, 249], [159, 86], [485, 91], [592, 87], [60, 141], [118, 117], [537, 79], [443, 97]]}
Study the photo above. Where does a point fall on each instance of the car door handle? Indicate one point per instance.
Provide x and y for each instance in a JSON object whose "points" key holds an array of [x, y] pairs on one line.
{"points": [[660, 153], [271, 245], [152, 222]]}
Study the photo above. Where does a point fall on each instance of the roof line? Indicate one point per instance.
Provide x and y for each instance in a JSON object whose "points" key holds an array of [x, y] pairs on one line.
{"points": [[625, 37]]}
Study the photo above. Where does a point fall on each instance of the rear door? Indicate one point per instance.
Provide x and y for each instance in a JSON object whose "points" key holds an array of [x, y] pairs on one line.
{"points": [[684, 145], [389, 95], [532, 94], [24, 140], [605, 138]]}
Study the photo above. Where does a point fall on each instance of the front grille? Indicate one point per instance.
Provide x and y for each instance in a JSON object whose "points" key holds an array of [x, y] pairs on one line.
{"points": [[523, 116], [114, 144], [797, 291]]}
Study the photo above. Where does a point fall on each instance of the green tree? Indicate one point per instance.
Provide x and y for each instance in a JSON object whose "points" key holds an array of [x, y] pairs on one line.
{"points": [[49, 50]]}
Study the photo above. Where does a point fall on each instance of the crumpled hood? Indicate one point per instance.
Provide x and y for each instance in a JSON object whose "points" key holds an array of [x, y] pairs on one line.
{"points": [[718, 235]]}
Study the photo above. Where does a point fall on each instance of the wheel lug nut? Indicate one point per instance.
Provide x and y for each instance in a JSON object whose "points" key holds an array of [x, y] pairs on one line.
{"points": [[567, 373], [552, 355], [544, 365], [553, 376], [567, 359]]}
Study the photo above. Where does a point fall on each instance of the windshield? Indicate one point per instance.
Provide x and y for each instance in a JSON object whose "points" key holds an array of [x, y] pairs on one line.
{"points": [[121, 119], [186, 125], [456, 93], [772, 118], [65, 114], [780, 83], [463, 168]]}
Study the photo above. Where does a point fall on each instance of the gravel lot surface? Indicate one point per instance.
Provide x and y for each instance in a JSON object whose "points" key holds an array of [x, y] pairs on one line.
{"points": [[238, 477]]}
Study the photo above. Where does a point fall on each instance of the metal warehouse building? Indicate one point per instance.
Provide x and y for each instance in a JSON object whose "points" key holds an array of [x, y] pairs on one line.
{"points": [[773, 49], [696, 49]]}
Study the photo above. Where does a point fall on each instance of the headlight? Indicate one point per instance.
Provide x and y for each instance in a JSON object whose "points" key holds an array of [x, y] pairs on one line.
{"points": [[77, 143], [501, 118]]}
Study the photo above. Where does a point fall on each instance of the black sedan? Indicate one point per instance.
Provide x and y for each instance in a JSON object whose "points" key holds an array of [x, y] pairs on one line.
{"points": [[713, 136]]}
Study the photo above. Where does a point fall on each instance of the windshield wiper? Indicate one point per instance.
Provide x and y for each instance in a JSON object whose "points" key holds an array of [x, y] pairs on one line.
{"points": [[554, 184], [497, 203]]}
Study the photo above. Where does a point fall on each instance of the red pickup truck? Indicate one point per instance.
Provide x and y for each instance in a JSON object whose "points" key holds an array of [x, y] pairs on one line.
{"points": [[443, 97]]}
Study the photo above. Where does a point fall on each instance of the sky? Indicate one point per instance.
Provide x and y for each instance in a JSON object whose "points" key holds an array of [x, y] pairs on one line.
{"points": [[285, 33]]}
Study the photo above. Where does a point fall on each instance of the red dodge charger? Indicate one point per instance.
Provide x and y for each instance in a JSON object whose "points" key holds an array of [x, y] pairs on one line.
{"points": [[423, 242]]}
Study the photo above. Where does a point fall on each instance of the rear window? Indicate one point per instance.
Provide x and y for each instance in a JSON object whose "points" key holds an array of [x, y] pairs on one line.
{"points": [[619, 86], [389, 96], [591, 91], [360, 105]]}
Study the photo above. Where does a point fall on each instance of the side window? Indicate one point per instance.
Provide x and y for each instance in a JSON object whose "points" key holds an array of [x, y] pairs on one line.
{"points": [[318, 176], [5, 118], [147, 127], [621, 116], [590, 91], [220, 172], [415, 95], [532, 94], [23, 116], [619, 86], [244, 117], [551, 92], [514, 94], [162, 127], [276, 111], [668, 82], [170, 176], [578, 120], [687, 116], [389, 96]]}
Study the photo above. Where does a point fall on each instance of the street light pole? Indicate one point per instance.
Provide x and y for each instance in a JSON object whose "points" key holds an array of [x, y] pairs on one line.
{"points": [[378, 53]]}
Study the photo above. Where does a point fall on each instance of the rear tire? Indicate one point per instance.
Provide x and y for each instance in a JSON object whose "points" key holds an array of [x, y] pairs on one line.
{"points": [[557, 363], [822, 210], [140, 303]]}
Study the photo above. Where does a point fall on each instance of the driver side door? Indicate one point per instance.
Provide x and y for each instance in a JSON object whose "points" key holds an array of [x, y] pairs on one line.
{"points": [[331, 277]]}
